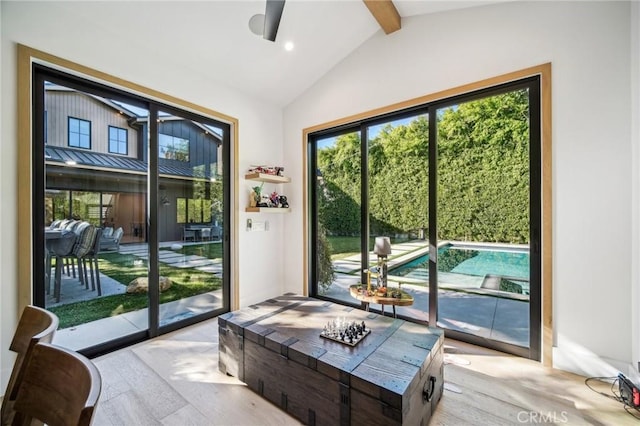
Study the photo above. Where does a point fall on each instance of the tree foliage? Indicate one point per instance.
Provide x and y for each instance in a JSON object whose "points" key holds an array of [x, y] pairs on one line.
{"points": [[339, 186], [483, 170], [483, 175], [325, 272]]}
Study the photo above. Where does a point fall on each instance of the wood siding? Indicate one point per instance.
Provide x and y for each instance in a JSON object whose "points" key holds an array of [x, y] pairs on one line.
{"points": [[60, 105]]}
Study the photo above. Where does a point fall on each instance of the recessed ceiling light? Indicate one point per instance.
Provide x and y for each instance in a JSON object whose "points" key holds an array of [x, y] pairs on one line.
{"points": [[288, 46]]}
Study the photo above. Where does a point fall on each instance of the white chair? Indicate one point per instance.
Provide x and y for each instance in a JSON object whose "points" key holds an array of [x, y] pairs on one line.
{"points": [[205, 233], [113, 241], [107, 232]]}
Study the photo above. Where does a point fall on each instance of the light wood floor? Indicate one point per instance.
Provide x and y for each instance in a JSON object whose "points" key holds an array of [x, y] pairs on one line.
{"points": [[174, 380]]}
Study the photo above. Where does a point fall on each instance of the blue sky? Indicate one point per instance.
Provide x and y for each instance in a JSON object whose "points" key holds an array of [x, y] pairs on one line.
{"points": [[373, 131]]}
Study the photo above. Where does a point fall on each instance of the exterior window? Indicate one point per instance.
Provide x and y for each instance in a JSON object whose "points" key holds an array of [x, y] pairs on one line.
{"points": [[56, 205], [79, 133], [193, 210], [117, 140], [173, 148]]}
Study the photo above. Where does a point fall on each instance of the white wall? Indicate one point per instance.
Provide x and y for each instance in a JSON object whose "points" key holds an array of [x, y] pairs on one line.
{"points": [[3, 250], [48, 27], [634, 371], [588, 44]]}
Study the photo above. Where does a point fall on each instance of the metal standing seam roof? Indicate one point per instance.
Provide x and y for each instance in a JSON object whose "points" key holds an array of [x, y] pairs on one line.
{"points": [[54, 154]]}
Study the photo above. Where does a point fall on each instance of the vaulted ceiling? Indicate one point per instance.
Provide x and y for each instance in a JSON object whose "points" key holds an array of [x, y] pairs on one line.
{"points": [[212, 38]]}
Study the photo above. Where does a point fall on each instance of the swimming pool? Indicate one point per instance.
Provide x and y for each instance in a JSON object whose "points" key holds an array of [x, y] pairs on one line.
{"points": [[474, 261]]}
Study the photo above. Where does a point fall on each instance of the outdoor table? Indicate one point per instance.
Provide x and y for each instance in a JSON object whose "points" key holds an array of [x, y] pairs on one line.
{"points": [[197, 230], [55, 239]]}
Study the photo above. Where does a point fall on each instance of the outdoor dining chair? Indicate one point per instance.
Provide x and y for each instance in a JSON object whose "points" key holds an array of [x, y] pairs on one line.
{"points": [[85, 239], [112, 241], [188, 234], [92, 257]]}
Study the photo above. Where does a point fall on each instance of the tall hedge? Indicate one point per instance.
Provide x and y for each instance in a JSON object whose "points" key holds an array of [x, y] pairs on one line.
{"points": [[339, 186], [483, 175]]}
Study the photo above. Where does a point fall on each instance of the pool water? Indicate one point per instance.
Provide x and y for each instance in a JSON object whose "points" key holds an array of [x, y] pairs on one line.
{"points": [[471, 262]]}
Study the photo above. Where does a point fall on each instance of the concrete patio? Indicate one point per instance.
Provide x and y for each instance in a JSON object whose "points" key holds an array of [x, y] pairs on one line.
{"points": [[463, 305], [100, 331], [484, 315], [506, 320]]}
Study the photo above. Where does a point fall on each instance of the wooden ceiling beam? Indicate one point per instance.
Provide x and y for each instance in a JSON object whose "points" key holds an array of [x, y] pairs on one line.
{"points": [[385, 13]]}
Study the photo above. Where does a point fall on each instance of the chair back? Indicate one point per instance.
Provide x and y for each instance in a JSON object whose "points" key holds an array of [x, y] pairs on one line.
{"points": [[205, 233], [72, 224], [63, 223], [108, 231], [35, 325], [95, 248], [117, 234], [216, 232], [59, 387], [188, 233], [84, 242]]}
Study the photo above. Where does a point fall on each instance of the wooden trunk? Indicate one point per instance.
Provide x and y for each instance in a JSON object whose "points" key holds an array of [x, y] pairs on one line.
{"points": [[393, 376]]}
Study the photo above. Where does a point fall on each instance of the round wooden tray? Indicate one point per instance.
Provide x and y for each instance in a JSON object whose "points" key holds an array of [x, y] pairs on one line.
{"points": [[405, 299]]}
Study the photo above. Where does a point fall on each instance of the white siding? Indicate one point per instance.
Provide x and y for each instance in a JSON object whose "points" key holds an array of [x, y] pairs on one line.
{"points": [[60, 105]]}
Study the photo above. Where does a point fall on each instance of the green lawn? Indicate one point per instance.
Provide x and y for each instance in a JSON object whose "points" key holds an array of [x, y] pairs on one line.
{"points": [[121, 267], [342, 247], [211, 250]]}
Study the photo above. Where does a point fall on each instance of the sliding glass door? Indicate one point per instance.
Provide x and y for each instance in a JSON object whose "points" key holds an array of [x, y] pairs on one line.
{"points": [[449, 210], [94, 241], [398, 188], [122, 181], [484, 217], [190, 212], [337, 199]]}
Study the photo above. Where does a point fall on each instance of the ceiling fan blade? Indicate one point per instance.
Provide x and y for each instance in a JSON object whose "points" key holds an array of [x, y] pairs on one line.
{"points": [[272, 15]]}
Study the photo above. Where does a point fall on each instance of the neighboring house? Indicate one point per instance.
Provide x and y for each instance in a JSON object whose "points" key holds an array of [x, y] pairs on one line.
{"points": [[96, 165]]}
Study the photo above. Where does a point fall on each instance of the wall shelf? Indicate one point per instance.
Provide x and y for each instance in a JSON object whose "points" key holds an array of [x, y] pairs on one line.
{"points": [[267, 210], [263, 177]]}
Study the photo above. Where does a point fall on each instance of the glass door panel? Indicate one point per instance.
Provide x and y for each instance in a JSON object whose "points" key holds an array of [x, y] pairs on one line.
{"points": [[449, 203], [126, 246], [338, 221], [95, 208], [190, 220], [398, 186], [483, 217]]}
